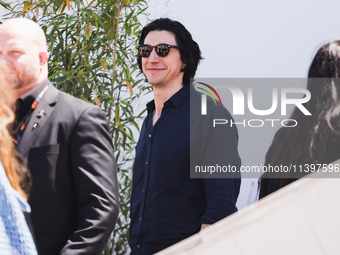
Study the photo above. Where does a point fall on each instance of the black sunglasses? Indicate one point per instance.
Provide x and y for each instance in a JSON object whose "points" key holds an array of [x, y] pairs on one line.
{"points": [[162, 50]]}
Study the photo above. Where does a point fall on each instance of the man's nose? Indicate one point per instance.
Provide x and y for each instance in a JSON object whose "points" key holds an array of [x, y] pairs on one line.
{"points": [[153, 56]]}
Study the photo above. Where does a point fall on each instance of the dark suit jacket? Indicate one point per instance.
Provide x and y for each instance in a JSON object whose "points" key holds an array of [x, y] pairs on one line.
{"points": [[74, 196]]}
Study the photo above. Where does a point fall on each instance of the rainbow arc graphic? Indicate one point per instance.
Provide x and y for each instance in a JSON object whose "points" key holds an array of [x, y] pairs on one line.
{"points": [[209, 93], [207, 89]]}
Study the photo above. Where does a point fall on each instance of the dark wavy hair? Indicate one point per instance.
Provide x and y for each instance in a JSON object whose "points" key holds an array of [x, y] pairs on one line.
{"points": [[189, 49], [316, 138]]}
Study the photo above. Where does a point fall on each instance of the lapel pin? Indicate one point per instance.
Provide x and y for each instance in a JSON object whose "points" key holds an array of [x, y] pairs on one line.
{"points": [[40, 114], [34, 125]]}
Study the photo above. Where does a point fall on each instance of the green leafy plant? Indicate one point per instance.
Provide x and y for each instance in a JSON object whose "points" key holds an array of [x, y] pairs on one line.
{"points": [[92, 46]]}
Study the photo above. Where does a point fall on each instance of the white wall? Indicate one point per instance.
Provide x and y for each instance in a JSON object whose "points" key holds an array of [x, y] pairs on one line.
{"points": [[254, 38]]}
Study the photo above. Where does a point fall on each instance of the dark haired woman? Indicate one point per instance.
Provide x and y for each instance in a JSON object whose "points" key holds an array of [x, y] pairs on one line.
{"points": [[315, 140]]}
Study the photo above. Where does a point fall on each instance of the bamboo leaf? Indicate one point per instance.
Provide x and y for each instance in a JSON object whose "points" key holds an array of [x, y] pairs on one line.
{"points": [[26, 7], [96, 100], [90, 3], [90, 29], [116, 139], [129, 16], [103, 64], [117, 115], [128, 72], [124, 140], [126, 134], [5, 5], [130, 87], [136, 125], [68, 3], [87, 78], [63, 8]]}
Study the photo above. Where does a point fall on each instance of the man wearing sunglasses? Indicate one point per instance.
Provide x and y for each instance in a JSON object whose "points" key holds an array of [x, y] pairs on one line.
{"points": [[168, 206]]}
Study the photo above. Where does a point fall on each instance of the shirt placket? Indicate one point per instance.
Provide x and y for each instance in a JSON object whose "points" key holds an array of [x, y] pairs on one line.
{"points": [[150, 134]]}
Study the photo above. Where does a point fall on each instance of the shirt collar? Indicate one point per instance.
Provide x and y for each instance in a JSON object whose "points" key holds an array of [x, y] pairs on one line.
{"points": [[29, 97], [175, 100]]}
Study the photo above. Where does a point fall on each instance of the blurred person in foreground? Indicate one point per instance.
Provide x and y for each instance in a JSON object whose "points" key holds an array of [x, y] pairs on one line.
{"points": [[67, 148], [15, 236], [167, 205], [316, 138]]}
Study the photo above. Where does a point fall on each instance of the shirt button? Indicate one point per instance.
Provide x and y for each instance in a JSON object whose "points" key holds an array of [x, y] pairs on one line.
{"points": [[143, 190], [140, 218], [138, 246], [149, 135], [146, 163]]}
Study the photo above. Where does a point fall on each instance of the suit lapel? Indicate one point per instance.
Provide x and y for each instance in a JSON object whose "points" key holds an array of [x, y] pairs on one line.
{"points": [[39, 117]]}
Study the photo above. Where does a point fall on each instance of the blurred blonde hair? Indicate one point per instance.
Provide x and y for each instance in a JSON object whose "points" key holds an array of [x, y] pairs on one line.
{"points": [[8, 155]]}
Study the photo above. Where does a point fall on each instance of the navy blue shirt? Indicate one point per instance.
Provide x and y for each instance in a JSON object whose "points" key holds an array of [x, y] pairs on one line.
{"points": [[168, 206]]}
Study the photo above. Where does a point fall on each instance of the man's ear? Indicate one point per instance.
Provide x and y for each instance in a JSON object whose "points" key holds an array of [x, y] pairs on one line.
{"points": [[183, 66], [43, 56]]}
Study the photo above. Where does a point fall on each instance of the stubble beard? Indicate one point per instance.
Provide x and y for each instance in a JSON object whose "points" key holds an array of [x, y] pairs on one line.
{"points": [[23, 79]]}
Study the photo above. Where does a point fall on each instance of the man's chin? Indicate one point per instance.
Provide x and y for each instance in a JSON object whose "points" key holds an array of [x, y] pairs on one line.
{"points": [[155, 82], [15, 89]]}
